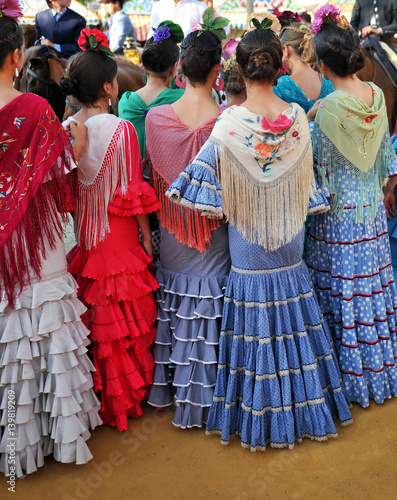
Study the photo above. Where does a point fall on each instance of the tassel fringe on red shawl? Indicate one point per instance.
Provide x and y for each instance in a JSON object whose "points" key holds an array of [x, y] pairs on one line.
{"points": [[22, 253]]}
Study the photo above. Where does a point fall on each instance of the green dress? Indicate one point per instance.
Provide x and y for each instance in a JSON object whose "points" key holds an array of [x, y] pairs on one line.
{"points": [[134, 109]]}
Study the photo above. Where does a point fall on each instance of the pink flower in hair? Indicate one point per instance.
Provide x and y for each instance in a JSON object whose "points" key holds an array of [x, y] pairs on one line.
{"points": [[196, 25], [229, 49], [11, 9], [328, 11]]}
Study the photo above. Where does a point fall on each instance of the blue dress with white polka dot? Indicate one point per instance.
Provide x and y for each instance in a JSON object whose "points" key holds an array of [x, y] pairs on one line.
{"points": [[350, 266], [278, 379]]}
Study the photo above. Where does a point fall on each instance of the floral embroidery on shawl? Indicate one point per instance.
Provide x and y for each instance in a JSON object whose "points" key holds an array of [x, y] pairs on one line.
{"points": [[35, 154]]}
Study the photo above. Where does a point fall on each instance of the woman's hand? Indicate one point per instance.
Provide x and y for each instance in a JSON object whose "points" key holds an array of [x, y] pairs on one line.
{"points": [[311, 114], [389, 199], [148, 245], [78, 131], [143, 223], [390, 203]]}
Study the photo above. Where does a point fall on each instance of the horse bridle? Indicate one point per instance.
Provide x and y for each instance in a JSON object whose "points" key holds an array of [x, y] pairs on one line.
{"points": [[35, 75]]}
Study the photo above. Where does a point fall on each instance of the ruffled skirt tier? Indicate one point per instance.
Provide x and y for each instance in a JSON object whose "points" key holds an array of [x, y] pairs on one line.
{"points": [[278, 379], [351, 269], [190, 304], [44, 365], [185, 349], [117, 287]]}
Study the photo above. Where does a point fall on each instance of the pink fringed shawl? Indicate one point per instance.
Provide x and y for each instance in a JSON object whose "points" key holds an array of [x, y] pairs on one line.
{"points": [[171, 146]]}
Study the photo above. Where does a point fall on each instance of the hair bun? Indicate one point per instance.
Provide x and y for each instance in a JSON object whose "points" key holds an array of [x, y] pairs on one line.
{"points": [[259, 63], [355, 61], [69, 85]]}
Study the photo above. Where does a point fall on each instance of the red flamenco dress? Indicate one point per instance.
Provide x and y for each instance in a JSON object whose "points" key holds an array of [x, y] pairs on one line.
{"points": [[110, 267]]}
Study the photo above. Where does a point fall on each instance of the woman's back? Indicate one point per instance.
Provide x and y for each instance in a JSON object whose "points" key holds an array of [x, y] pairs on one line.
{"points": [[195, 111]]}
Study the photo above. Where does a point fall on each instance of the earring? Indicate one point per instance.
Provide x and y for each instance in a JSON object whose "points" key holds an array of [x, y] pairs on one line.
{"points": [[16, 72], [285, 67], [110, 107], [218, 84], [180, 83]]}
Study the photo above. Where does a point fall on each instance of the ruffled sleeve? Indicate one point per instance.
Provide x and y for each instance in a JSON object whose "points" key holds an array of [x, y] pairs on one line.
{"points": [[139, 197], [198, 187], [318, 202]]}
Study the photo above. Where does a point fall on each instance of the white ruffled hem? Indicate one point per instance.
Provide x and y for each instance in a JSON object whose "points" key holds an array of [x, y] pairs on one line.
{"points": [[44, 364]]}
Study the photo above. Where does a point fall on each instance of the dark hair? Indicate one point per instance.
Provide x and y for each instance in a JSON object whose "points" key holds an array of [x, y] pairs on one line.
{"points": [[120, 2], [234, 83], [49, 3], [87, 72], [306, 17], [158, 57], [11, 37], [339, 49], [200, 52], [259, 55]]}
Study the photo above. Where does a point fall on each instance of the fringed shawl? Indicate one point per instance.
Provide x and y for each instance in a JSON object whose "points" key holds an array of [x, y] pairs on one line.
{"points": [[105, 167], [355, 128], [266, 173], [171, 146], [35, 193], [352, 151]]}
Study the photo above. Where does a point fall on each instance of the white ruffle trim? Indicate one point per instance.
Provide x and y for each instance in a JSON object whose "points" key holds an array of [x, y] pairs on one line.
{"points": [[44, 362]]}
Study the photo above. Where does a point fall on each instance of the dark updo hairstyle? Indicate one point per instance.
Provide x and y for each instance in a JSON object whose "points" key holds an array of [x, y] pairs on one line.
{"points": [[11, 37], [200, 52], [87, 72], [339, 49], [260, 56], [234, 84], [159, 57]]}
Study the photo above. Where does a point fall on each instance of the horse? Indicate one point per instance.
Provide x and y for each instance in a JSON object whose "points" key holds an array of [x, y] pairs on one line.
{"points": [[41, 71], [374, 72], [43, 68]]}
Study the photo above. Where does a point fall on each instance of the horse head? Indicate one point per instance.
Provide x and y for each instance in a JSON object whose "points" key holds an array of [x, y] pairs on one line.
{"points": [[41, 73]]}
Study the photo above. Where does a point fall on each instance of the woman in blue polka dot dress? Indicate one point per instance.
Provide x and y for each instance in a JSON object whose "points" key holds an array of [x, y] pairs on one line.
{"points": [[278, 379], [349, 250]]}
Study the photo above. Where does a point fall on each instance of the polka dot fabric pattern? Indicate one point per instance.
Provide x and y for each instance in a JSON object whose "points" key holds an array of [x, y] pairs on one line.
{"points": [[350, 265], [278, 379]]}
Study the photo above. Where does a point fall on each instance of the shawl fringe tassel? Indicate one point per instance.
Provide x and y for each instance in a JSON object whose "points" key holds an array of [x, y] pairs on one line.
{"points": [[91, 222], [188, 226], [267, 214], [22, 253]]}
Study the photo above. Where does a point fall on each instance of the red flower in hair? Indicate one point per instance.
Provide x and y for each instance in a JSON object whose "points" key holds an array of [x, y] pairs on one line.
{"points": [[93, 39]]}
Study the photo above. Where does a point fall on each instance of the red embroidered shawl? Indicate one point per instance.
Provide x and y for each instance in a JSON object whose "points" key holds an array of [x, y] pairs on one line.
{"points": [[35, 154]]}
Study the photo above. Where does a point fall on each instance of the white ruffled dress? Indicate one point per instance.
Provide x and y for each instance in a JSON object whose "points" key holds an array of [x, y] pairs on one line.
{"points": [[46, 373]]}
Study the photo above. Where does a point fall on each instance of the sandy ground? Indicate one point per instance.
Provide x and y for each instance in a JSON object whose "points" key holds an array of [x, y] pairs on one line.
{"points": [[155, 460]]}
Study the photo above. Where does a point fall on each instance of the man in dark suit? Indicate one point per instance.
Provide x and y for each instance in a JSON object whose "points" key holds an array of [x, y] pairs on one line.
{"points": [[59, 27], [375, 16]]}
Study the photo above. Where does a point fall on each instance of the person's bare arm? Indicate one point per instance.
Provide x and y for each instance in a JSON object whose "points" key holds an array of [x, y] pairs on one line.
{"points": [[143, 222]]}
